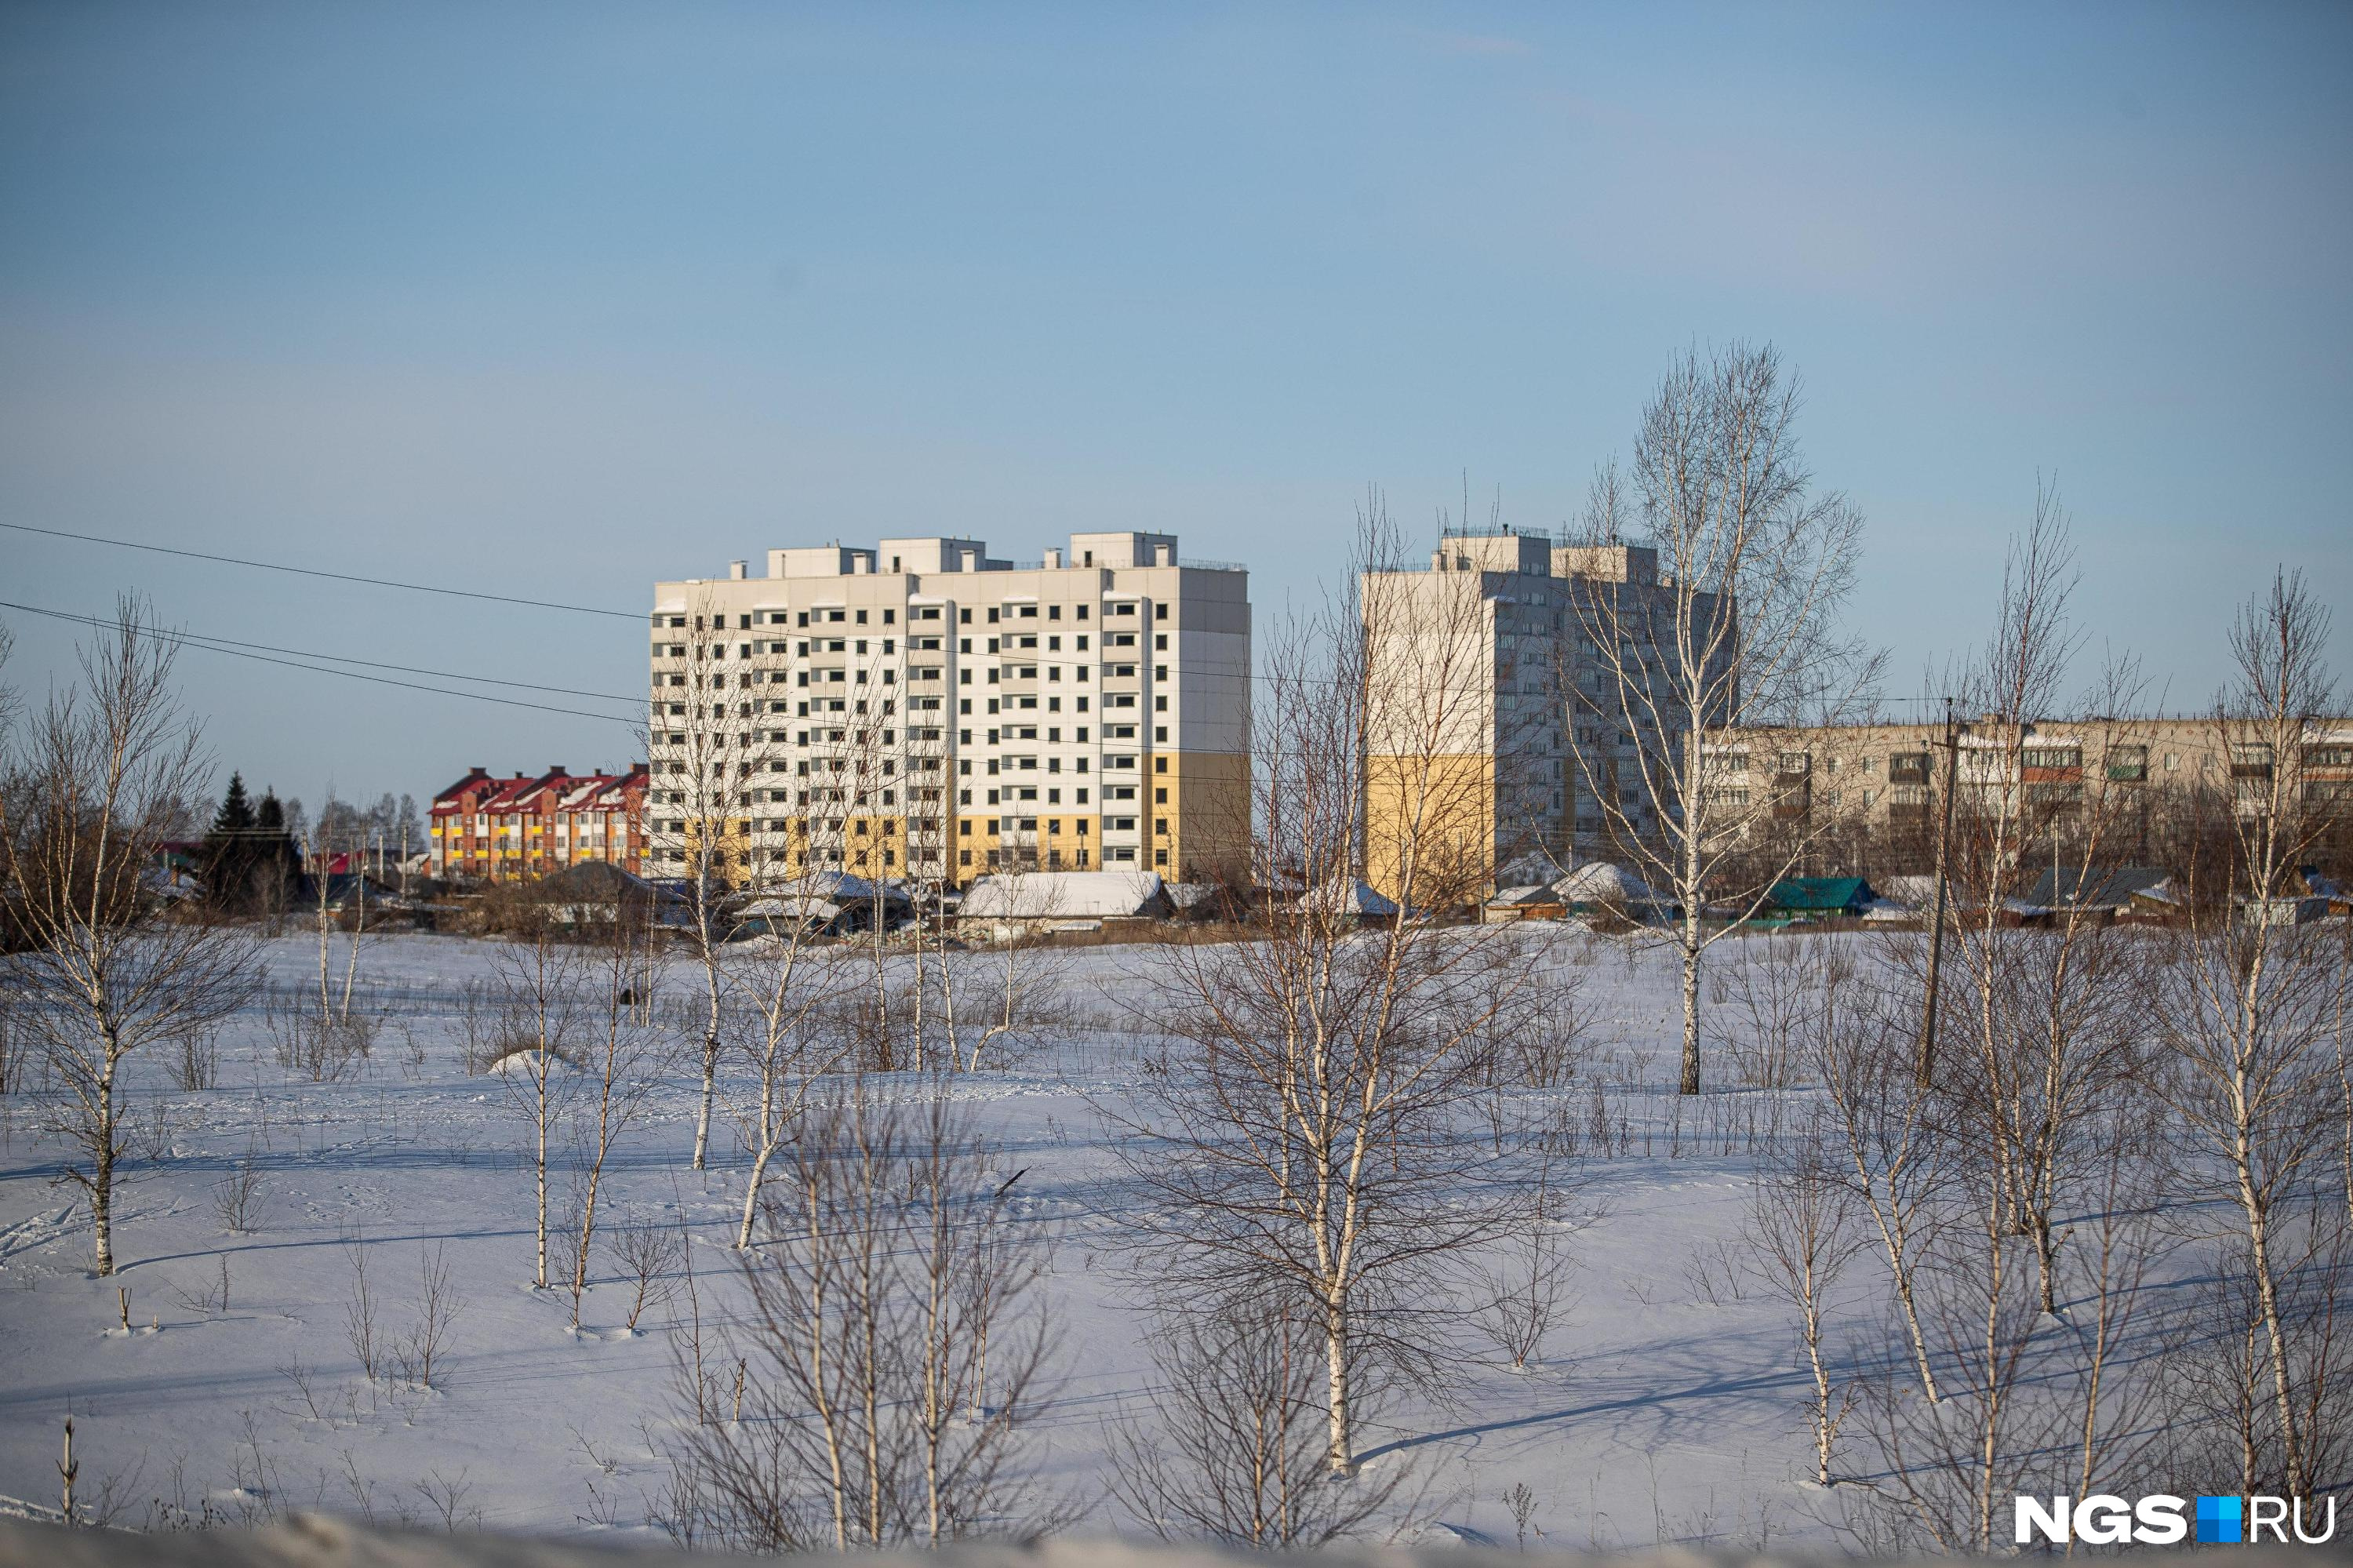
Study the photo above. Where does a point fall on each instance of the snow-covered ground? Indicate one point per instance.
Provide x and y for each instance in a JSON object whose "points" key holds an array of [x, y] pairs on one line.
{"points": [[1664, 1407]]}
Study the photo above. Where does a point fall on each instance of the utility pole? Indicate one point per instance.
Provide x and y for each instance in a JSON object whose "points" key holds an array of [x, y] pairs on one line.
{"points": [[1925, 1054]]}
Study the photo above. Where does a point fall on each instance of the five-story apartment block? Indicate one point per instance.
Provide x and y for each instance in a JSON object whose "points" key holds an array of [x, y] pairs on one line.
{"points": [[920, 709]]}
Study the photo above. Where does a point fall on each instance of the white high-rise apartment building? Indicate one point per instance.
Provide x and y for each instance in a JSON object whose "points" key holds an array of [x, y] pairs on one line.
{"points": [[920, 709]]}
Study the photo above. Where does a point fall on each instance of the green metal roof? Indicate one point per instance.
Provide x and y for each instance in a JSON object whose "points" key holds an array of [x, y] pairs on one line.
{"points": [[1818, 893]]}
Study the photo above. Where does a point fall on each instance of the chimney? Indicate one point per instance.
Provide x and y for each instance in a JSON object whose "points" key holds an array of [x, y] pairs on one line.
{"points": [[735, 571]]}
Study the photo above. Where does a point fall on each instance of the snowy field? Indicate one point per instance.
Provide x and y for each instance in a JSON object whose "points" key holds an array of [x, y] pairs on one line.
{"points": [[1663, 1406]]}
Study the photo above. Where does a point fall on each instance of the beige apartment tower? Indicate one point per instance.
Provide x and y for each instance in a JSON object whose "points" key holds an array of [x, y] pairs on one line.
{"points": [[1494, 727], [920, 709]]}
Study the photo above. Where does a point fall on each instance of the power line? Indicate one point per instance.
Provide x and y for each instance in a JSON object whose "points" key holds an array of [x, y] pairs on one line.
{"points": [[240, 652], [310, 572], [259, 652], [1245, 679], [224, 643]]}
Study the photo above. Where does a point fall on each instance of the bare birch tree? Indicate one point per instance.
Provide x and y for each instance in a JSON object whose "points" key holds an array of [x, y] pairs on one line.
{"points": [[989, 996], [855, 805], [702, 743], [2043, 1154], [2124, 1185], [1239, 1452], [615, 1063], [1752, 566], [930, 818], [90, 787], [786, 981], [1883, 1125], [2031, 1402], [338, 825], [1320, 1131], [2051, 1037], [538, 981], [2245, 1006], [894, 1344], [1802, 1234], [1950, 1465]]}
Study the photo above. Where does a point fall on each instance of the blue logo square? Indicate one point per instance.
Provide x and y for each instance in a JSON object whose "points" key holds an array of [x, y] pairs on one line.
{"points": [[2219, 1520]]}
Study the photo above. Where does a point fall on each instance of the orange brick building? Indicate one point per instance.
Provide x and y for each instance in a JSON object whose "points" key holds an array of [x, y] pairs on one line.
{"points": [[489, 829]]}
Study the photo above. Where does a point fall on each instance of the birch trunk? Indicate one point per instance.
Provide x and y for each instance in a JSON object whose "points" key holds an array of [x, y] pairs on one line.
{"points": [[710, 1050], [102, 1180], [1690, 1084], [1343, 1456], [539, 1189]]}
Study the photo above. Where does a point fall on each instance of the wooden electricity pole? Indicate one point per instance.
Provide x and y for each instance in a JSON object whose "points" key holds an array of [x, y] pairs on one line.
{"points": [[1925, 1054]]}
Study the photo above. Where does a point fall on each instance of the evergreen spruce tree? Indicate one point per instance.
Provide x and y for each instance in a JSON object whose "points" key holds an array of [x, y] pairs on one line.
{"points": [[235, 813], [276, 865], [229, 846]]}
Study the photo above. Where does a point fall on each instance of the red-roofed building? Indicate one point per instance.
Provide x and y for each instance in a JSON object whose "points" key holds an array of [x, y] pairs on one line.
{"points": [[489, 829]]}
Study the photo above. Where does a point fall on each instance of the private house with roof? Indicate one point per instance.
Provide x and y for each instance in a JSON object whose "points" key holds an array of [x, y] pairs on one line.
{"points": [[1796, 899]]}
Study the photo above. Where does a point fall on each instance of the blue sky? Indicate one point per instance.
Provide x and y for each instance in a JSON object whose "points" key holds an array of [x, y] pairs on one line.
{"points": [[555, 302]]}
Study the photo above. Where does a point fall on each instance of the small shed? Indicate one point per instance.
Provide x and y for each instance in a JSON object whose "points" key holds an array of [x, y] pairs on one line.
{"points": [[1795, 898], [2289, 910], [2331, 891], [1199, 900], [1914, 891], [1538, 901], [832, 903], [1011, 904], [596, 892], [1599, 887], [2111, 891], [1350, 899], [339, 891]]}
